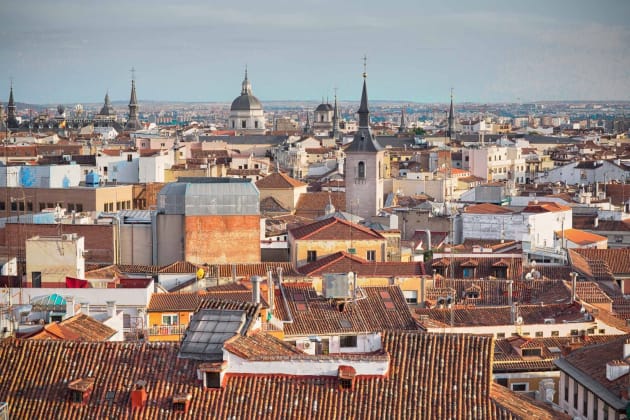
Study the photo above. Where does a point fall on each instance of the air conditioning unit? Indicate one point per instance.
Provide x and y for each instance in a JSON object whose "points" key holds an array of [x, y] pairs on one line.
{"points": [[306, 345]]}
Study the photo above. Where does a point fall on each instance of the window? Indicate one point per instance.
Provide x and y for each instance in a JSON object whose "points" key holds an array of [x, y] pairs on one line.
{"points": [[602, 331], [76, 396], [243, 124], [2, 206], [502, 381], [29, 206], [361, 170], [371, 256], [520, 387], [130, 157], [585, 403], [104, 206], [539, 333], [595, 404], [70, 207], [233, 124], [468, 272], [575, 332], [575, 394], [255, 124], [618, 239], [36, 278], [532, 352], [566, 388], [555, 333], [500, 335], [170, 319], [311, 256], [348, 341], [79, 207], [213, 380]]}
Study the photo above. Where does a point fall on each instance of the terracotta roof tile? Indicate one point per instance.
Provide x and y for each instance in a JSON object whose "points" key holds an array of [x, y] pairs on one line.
{"points": [[580, 237], [79, 327], [487, 208], [166, 302], [312, 314], [313, 204], [333, 228], [279, 180], [617, 260], [451, 379], [342, 262]]}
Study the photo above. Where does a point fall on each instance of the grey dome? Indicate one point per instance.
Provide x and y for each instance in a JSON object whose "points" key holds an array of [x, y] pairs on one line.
{"points": [[324, 108], [246, 102]]}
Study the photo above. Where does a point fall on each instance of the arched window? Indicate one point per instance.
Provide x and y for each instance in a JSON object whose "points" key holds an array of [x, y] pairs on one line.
{"points": [[361, 170]]}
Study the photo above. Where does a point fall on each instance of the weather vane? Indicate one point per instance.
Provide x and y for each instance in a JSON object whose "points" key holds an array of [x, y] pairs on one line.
{"points": [[133, 73]]}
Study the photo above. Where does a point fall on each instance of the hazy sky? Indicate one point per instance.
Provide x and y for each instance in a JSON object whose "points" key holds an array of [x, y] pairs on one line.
{"points": [[61, 51]]}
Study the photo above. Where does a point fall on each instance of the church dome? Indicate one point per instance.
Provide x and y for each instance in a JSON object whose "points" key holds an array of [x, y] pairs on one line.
{"points": [[324, 108], [247, 101]]}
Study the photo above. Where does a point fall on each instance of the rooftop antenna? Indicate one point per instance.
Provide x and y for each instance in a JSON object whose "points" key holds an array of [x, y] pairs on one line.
{"points": [[364, 66]]}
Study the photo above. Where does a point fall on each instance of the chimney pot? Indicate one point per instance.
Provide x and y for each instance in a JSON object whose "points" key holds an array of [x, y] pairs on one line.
{"points": [[256, 280]]}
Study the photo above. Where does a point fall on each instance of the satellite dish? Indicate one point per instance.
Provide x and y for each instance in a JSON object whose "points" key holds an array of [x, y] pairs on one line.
{"points": [[449, 300], [528, 276], [440, 301], [536, 274], [519, 320]]}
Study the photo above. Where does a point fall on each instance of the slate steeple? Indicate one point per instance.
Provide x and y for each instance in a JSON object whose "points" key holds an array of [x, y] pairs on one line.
{"points": [[133, 123], [335, 129], [364, 141], [12, 121], [450, 133], [403, 124]]}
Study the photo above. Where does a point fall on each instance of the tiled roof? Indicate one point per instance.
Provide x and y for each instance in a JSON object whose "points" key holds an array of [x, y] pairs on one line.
{"points": [[618, 260], [278, 180], [450, 379], [79, 327], [179, 267], [313, 204], [271, 205], [613, 226], [342, 262], [375, 309], [544, 207], [487, 208], [590, 292], [497, 246], [259, 346], [508, 359], [580, 237], [167, 302], [496, 316], [334, 229], [592, 360], [486, 266]]}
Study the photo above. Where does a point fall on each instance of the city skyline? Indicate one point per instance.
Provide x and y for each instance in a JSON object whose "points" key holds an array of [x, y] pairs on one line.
{"points": [[67, 52]]}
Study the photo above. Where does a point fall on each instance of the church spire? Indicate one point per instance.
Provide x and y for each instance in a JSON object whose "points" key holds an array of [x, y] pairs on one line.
{"points": [[133, 123], [12, 121], [451, 129], [307, 125], [246, 87], [364, 112], [335, 129]]}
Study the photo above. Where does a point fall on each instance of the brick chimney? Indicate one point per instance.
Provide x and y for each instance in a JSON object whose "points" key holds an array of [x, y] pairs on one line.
{"points": [[138, 395]]}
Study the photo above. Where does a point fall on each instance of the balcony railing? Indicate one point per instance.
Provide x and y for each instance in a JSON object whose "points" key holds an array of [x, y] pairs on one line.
{"points": [[167, 330]]}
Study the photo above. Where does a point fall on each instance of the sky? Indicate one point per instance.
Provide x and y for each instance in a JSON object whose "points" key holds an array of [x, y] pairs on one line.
{"points": [[71, 52]]}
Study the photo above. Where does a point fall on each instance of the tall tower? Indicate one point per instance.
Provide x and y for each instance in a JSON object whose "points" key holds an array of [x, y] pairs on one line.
{"points": [[12, 121], [246, 113], [364, 169], [133, 123], [307, 125], [335, 129], [451, 123], [403, 124]]}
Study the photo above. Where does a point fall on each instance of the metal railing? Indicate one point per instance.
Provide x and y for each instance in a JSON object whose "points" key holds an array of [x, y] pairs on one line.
{"points": [[167, 330]]}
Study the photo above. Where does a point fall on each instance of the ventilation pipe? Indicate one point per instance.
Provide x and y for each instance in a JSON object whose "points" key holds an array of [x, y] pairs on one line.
{"points": [[510, 284], [111, 308], [270, 291], [428, 232], [573, 285], [256, 280]]}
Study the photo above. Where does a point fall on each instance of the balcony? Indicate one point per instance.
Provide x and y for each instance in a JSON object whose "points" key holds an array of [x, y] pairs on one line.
{"points": [[167, 330]]}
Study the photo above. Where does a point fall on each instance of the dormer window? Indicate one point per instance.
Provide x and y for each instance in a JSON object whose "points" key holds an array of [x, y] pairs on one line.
{"points": [[80, 390], [535, 352]]}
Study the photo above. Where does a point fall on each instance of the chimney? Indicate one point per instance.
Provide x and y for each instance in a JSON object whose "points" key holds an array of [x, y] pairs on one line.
{"points": [[85, 308], [510, 292], [626, 349], [428, 240], [70, 306], [256, 280], [279, 275], [573, 285], [596, 222], [138, 395], [270, 291], [111, 308]]}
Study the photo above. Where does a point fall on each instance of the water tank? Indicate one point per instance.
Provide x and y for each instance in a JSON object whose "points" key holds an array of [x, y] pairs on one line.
{"points": [[338, 285], [92, 179]]}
